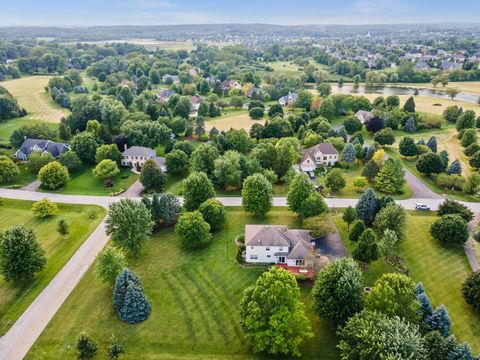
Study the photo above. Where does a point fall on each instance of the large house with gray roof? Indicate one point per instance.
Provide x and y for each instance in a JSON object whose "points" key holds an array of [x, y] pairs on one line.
{"points": [[323, 154], [42, 147], [277, 244], [135, 157]]}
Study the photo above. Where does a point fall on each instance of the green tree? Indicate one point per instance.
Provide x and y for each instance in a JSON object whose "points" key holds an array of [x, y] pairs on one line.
{"points": [[8, 170], [115, 349], [152, 176], [349, 154], [367, 207], [105, 170], [299, 190], [370, 170], [85, 145], [392, 217], [273, 316], [304, 100], [257, 195], [373, 335], [366, 250], [471, 290], [110, 152], [71, 161], [349, 216], [313, 205], [129, 224], [407, 147], [450, 229], [165, 209], [335, 180], [110, 263], [197, 188], [214, 213], [274, 110], [394, 295], [466, 121], [183, 107], [409, 105], [454, 207], [388, 244], [238, 140], [384, 137], [62, 227], [430, 163], [177, 162], [20, 254], [472, 186], [193, 230], [390, 178], [360, 183], [452, 92], [203, 158], [44, 208], [36, 161], [338, 291], [357, 230], [352, 124], [53, 175], [228, 170], [86, 347], [136, 307]]}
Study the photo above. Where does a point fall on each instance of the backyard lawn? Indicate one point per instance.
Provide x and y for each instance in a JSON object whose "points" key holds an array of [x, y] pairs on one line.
{"points": [[9, 126], [195, 299], [440, 269], [84, 183], [235, 120], [30, 94], [82, 220]]}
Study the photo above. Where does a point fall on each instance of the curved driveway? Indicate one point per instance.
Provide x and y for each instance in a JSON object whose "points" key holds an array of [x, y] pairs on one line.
{"points": [[22, 335]]}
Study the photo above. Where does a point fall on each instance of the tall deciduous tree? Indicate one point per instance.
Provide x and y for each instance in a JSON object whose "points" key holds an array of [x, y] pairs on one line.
{"points": [[203, 158], [214, 213], [110, 263], [299, 190], [349, 216], [152, 176], [257, 195], [129, 224], [53, 175], [193, 230], [20, 254], [391, 217], [197, 188], [273, 316]]}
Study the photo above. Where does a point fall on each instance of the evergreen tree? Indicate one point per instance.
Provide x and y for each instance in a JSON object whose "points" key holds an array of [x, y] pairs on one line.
{"points": [[348, 154], [136, 307], [409, 105], [410, 125], [370, 170], [419, 289], [121, 284], [357, 230], [367, 247], [367, 207], [390, 178], [426, 308], [432, 143], [86, 347], [455, 168], [439, 320], [407, 147], [349, 216]]}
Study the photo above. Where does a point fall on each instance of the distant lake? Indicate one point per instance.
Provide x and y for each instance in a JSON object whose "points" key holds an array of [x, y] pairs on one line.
{"points": [[403, 90]]}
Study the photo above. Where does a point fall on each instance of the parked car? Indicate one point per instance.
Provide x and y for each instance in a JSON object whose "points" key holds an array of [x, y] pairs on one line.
{"points": [[420, 206], [311, 174]]}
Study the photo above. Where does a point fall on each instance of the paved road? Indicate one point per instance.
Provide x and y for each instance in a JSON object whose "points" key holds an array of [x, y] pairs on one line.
{"points": [[472, 258], [134, 190], [22, 335], [419, 189]]}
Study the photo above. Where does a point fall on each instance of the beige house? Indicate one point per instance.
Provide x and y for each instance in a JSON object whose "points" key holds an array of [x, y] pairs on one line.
{"points": [[135, 157], [364, 116], [321, 154]]}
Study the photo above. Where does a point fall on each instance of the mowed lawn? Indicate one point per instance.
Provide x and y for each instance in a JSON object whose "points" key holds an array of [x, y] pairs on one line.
{"points": [[195, 297], [82, 220], [9, 126], [236, 120], [84, 183], [466, 86], [441, 270]]}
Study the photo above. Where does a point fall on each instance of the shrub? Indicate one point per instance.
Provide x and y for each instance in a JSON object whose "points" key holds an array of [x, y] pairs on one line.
{"points": [[454, 207], [450, 229], [53, 175], [8, 169], [471, 290], [451, 182], [44, 208], [86, 346], [214, 213], [193, 230]]}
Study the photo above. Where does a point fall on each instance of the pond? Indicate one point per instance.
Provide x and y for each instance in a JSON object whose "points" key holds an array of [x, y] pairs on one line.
{"points": [[403, 90]]}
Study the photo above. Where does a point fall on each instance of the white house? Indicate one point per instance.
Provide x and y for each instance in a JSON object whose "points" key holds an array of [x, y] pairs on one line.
{"points": [[321, 154], [276, 244], [135, 157], [288, 99], [364, 116]]}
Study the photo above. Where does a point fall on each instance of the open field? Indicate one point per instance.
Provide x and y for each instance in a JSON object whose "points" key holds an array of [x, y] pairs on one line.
{"points": [[84, 183], [9, 126], [237, 120], [440, 269], [31, 95], [82, 220], [466, 86], [195, 303]]}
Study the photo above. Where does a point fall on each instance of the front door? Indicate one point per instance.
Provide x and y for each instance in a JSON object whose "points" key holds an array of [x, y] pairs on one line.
{"points": [[281, 259]]}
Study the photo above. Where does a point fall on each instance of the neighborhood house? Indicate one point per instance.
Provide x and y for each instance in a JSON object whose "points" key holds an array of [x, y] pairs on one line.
{"points": [[135, 157], [288, 99], [321, 154], [277, 244], [41, 146], [364, 116]]}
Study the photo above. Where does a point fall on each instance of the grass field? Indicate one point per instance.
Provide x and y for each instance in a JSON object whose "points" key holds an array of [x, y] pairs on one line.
{"points": [[84, 183], [195, 303], [466, 86], [30, 94], [9, 126], [82, 220], [235, 120], [442, 271]]}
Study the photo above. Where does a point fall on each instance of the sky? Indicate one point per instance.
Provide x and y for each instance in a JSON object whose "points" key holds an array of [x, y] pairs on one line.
{"points": [[290, 12]]}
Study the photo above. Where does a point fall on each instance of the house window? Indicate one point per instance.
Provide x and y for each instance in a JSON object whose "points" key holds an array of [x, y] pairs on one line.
{"points": [[299, 262], [253, 257], [268, 249], [268, 256], [325, 157], [280, 249]]}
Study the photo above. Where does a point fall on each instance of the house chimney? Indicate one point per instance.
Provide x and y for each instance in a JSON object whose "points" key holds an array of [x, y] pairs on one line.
{"points": [[125, 147], [24, 137]]}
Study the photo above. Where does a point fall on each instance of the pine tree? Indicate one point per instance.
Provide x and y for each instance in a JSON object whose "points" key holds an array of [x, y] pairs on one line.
{"points": [[390, 178], [367, 206], [371, 169], [440, 320], [357, 230], [136, 307], [426, 308], [349, 154], [410, 125], [388, 244], [409, 105], [419, 289], [455, 168], [367, 247], [407, 147], [121, 284], [432, 144]]}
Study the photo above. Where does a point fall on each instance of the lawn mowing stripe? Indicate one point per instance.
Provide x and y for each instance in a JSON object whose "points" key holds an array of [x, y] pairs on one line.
{"points": [[214, 310], [178, 299], [230, 308], [201, 310]]}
